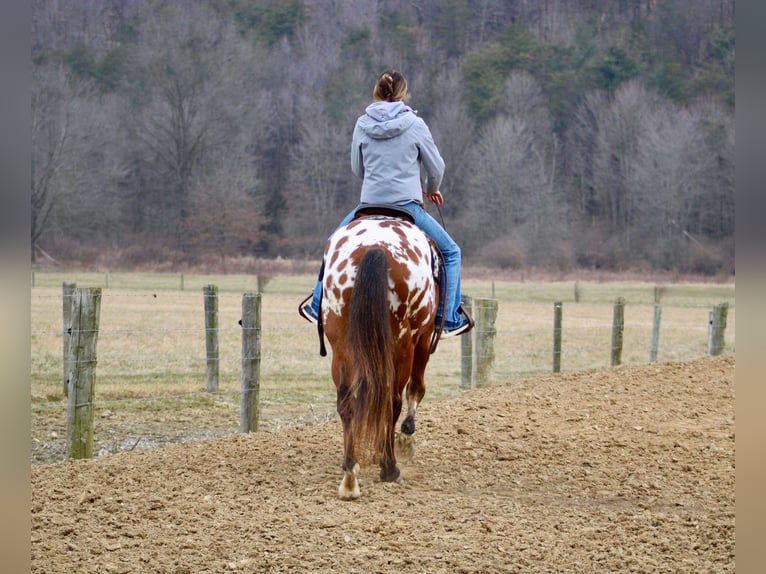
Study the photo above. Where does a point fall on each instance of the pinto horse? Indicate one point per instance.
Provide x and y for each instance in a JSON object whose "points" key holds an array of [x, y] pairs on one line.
{"points": [[379, 305]]}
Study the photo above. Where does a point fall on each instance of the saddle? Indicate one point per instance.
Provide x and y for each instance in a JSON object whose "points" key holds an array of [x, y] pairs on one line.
{"points": [[383, 209]]}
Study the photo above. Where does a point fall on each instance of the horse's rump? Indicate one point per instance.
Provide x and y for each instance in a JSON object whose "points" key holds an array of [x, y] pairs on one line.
{"points": [[412, 296]]}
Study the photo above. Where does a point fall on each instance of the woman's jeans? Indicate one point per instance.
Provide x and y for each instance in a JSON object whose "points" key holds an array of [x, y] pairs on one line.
{"points": [[449, 249]]}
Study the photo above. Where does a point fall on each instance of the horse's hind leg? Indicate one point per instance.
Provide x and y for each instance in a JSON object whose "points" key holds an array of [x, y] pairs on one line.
{"points": [[416, 389], [405, 444], [389, 472], [349, 484]]}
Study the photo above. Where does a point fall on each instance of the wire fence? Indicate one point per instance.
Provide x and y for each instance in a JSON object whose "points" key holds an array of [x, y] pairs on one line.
{"points": [[152, 357]]}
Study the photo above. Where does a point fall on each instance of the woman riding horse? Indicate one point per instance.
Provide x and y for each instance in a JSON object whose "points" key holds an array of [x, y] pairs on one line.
{"points": [[389, 145]]}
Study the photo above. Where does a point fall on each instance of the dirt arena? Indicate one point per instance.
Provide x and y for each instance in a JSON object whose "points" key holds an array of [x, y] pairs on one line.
{"points": [[628, 469]]}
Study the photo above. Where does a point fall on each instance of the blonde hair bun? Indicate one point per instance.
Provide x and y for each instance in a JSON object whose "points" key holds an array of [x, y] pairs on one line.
{"points": [[390, 87]]}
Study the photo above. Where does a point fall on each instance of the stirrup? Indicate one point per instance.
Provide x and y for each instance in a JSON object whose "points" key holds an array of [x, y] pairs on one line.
{"points": [[461, 329], [461, 310], [305, 310]]}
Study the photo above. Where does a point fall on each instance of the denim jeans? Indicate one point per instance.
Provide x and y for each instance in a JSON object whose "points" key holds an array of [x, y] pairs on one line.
{"points": [[452, 261]]}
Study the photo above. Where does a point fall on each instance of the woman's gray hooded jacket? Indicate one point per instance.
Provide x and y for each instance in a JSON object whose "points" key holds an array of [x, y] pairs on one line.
{"points": [[390, 142]]}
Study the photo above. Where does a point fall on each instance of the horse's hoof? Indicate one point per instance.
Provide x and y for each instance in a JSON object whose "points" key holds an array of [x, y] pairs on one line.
{"points": [[345, 494], [393, 476], [404, 447], [349, 485], [408, 425]]}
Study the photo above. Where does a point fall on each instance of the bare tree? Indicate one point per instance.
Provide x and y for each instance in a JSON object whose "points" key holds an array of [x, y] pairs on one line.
{"points": [[454, 132], [182, 105], [654, 174], [581, 147], [224, 215], [64, 139], [685, 181], [323, 190], [499, 182], [51, 119], [715, 212], [668, 172], [620, 129], [512, 184]]}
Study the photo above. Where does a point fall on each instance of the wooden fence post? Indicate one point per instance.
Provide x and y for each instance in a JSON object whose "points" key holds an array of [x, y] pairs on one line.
{"points": [[467, 358], [618, 326], [557, 312], [655, 333], [477, 348], [717, 329], [86, 310], [251, 362], [210, 293], [484, 339], [66, 307]]}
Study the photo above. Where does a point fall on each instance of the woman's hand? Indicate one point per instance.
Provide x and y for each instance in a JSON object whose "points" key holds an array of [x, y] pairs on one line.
{"points": [[436, 197]]}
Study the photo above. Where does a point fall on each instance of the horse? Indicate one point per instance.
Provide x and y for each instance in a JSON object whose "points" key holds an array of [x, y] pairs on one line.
{"points": [[378, 312]]}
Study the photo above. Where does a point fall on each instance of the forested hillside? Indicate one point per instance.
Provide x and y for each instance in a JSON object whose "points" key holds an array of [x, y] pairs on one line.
{"points": [[591, 134]]}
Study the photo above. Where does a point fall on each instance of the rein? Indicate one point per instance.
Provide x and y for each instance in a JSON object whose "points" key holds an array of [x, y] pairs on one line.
{"points": [[441, 217]]}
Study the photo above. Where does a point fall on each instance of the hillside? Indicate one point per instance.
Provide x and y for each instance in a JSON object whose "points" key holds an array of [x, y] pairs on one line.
{"points": [[593, 135]]}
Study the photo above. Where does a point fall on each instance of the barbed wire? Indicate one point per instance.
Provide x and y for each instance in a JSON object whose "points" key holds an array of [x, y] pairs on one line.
{"points": [[173, 293], [597, 323]]}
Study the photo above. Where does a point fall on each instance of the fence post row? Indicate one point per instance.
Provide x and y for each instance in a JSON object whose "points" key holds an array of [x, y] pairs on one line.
{"points": [[85, 313], [81, 312], [210, 293], [618, 326], [251, 362]]}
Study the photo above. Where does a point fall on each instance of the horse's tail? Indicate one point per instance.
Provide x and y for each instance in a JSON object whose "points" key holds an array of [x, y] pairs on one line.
{"points": [[371, 344]]}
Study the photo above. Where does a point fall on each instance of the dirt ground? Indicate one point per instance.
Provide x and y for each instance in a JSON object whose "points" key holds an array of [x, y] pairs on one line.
{"points": [[629, 469]]}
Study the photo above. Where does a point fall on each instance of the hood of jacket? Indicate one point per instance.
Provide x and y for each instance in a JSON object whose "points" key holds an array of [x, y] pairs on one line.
{"points": [[384, 120]]}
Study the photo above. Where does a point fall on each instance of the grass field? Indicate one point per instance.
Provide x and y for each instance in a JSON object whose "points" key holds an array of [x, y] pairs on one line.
{"points": [[152, 360]]}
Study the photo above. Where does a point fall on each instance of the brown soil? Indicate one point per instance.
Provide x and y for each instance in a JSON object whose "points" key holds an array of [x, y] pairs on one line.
{"points": [[628, 469]]}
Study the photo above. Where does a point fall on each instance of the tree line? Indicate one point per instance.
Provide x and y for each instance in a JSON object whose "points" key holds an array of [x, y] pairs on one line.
{"points": [[577, 134]]}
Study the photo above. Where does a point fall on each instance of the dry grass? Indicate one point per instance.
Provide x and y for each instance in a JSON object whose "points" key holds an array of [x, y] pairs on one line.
{"points": [[152, 366]]}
